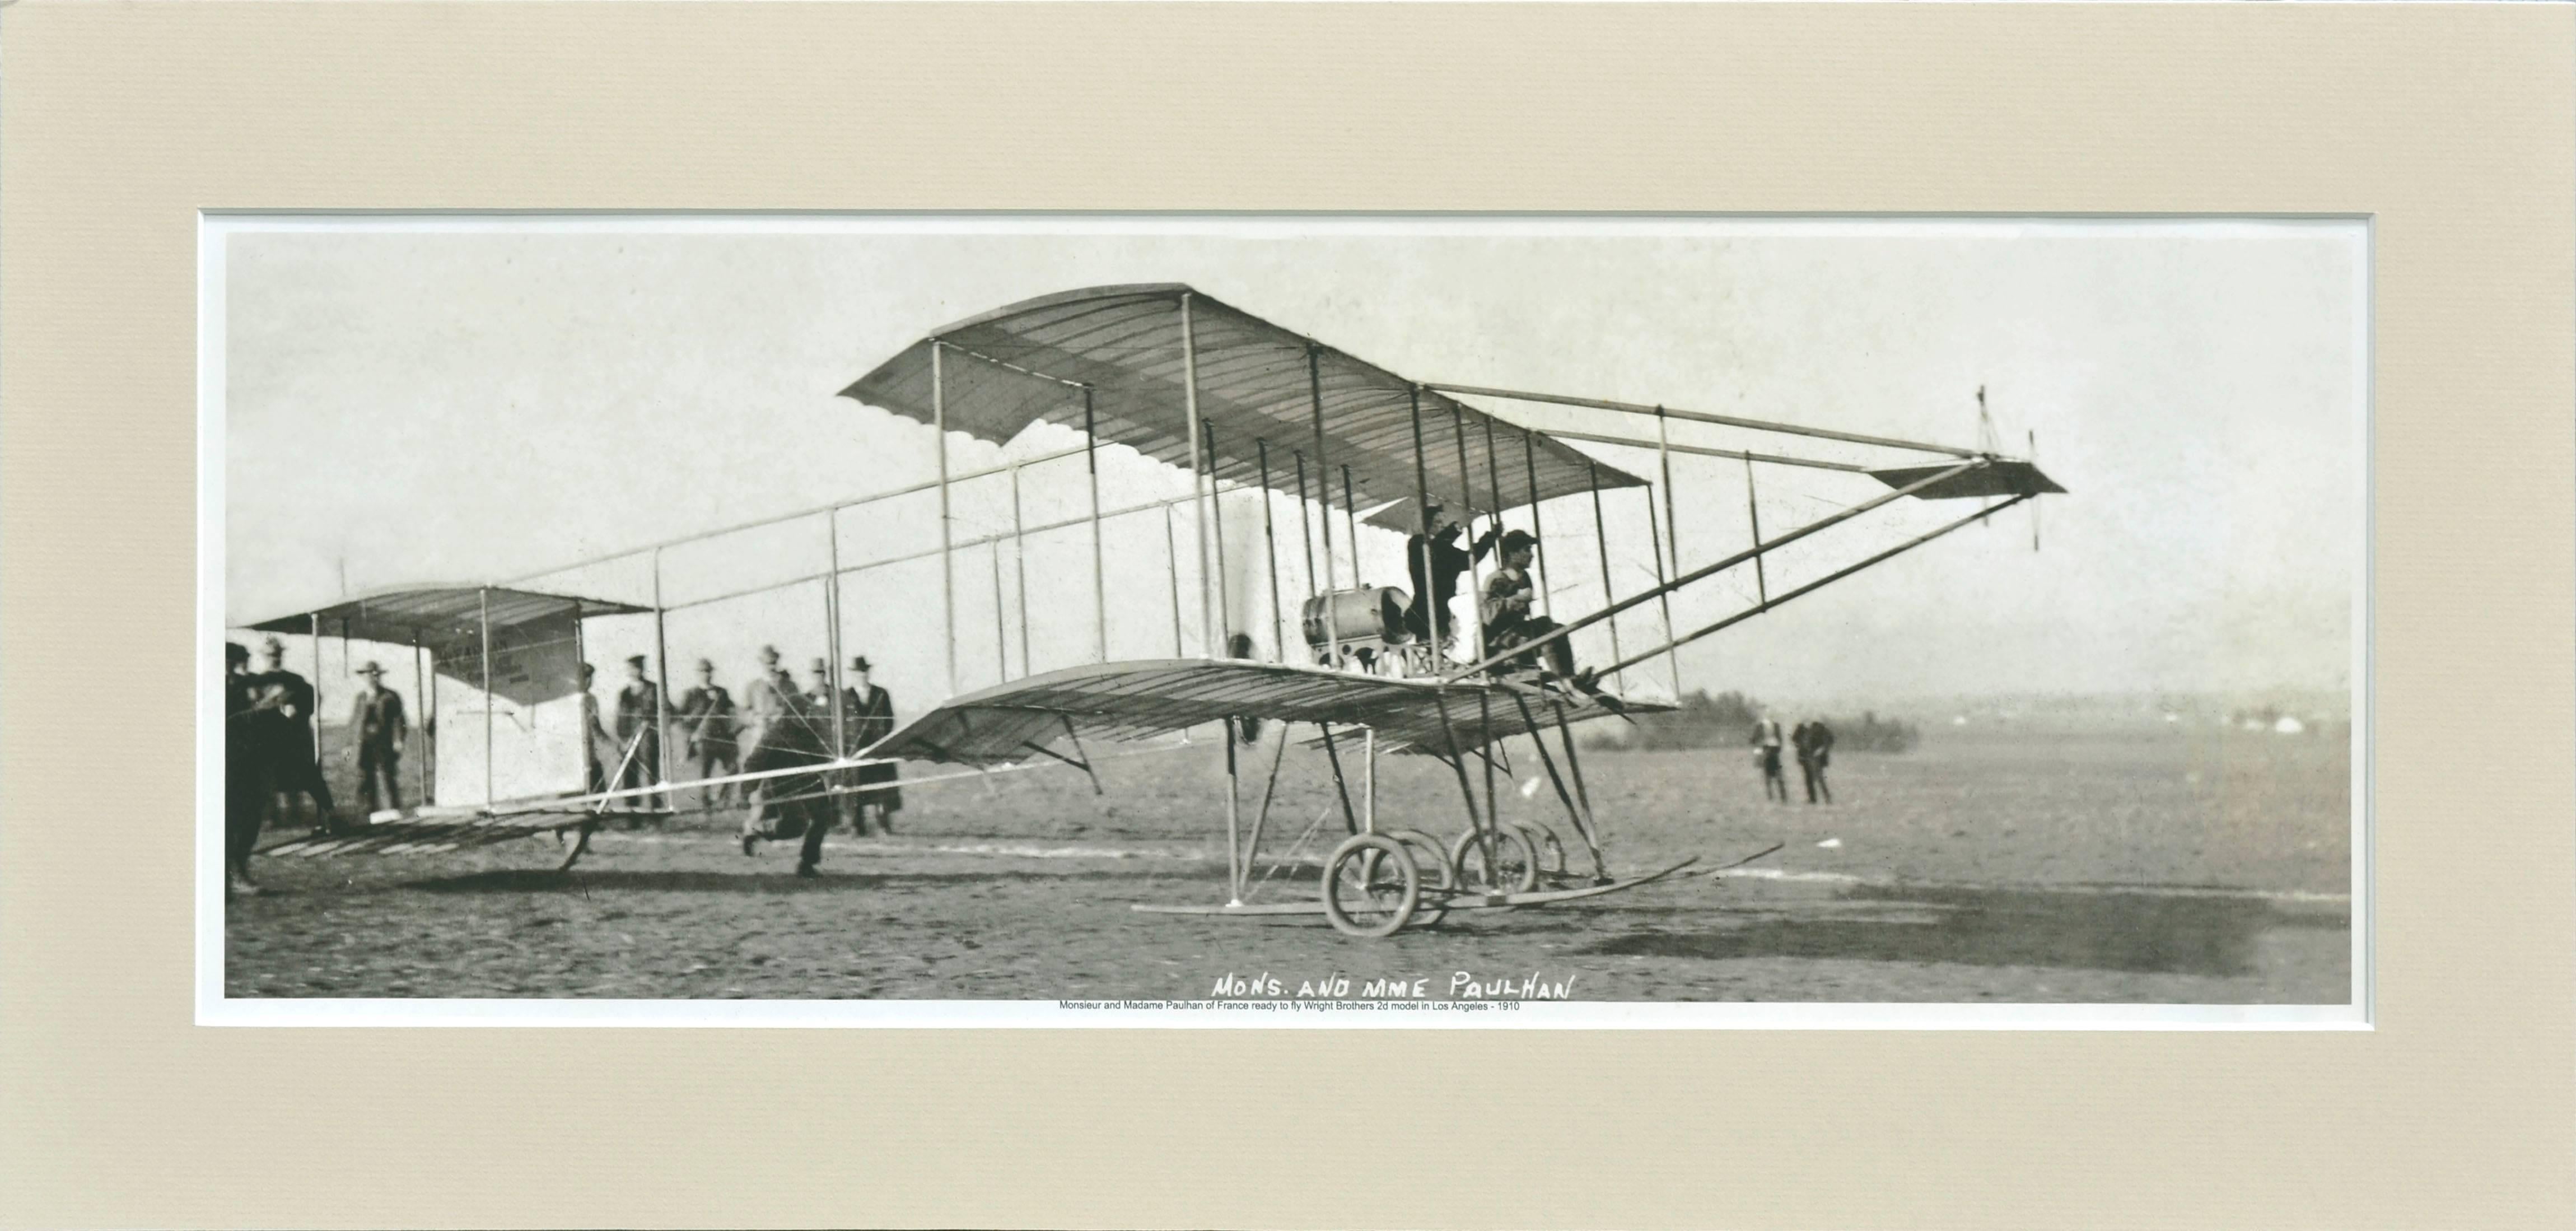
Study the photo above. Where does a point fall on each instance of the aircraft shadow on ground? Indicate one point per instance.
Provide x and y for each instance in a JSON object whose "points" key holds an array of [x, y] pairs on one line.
{"points": [[2131, 932], [765, 878]]}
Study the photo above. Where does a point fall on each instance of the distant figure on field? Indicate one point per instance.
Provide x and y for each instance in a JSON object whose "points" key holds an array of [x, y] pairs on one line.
{"points": [[247, 716], [872, 719], [377, 722], [639, 736], [1437, 549], [283, 729], [707, 736], [1766, 743], [1815, 744]]}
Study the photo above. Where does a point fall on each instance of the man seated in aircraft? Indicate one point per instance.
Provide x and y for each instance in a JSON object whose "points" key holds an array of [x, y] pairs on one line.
{"points": [[1437, 549], [1509, 596]]}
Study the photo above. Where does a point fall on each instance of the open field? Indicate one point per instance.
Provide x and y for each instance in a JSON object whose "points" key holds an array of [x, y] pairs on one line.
{"points": [[2125, 863]]}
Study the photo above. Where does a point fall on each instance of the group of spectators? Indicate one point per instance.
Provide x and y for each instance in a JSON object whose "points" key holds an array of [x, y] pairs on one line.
{"points": [[748, 752]]}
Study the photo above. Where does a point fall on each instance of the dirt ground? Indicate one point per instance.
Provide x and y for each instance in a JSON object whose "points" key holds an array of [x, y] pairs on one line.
{"points": [[2135, 864]]}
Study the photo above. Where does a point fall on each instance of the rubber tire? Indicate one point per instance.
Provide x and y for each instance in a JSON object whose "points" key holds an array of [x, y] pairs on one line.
{"points": [[1427, 849], [1543, 840], [1506, 838], [1373, 853]]}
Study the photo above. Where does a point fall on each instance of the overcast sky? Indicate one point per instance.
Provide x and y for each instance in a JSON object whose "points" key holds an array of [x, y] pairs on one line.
{"points": [[478, 402]]}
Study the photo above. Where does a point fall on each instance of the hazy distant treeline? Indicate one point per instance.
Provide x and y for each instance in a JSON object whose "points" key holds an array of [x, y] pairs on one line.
{"points": [[1726, 721]]}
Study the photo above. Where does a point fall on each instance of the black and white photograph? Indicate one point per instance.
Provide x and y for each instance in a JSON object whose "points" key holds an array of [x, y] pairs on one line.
{"points": [[1299, 620]]}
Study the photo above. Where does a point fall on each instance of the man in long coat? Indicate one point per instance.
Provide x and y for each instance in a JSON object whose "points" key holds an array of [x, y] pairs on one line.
{"points": [[282, 730], [707, 736], [246, 767], [639, 726], [871, 718], [377, 722], [1815, 744]]}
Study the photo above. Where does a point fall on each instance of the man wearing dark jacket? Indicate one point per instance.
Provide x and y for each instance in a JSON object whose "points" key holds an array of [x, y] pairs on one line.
{"points": [[1437, 549], [283, 730], [377, 721], [1815, 743]]}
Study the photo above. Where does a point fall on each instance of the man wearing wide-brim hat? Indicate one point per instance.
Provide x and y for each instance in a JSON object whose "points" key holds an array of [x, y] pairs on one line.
{"points": [[376, 720]]}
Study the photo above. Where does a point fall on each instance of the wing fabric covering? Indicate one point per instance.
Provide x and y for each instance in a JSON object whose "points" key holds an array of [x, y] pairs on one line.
{"points": [[1257, 396], [1141, 700]]}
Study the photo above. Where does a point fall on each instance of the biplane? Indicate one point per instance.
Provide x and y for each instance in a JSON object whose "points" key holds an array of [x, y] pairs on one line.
{"points": [[1259, 417]]}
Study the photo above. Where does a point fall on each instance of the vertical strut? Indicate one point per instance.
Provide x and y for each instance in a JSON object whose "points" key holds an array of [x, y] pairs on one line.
{"points": [[1019, 573], [1762, 585], [1234, 860], [1601, 540], [1663, 597], [1099, 573], [1538, 531], [1431, 619], [1198, 483], [1351, 522], [1323, 460], [1172, 551], [947, 561], [1270, 542], [1672, 520], [483, 599], [1224, 600], [1467, 488], [1350, 819], [662, 662]]}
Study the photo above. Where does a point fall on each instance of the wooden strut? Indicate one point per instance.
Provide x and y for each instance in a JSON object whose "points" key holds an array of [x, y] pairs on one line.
{"points": [[1269, 792], [1350, 819], [1172, 551], [1432, 619], [1601, 531], [1270, 544], [1467, 488], [1198, 477], [1582, 823], [1538, 529], [947, 561], [1753, 513], [1574, 767], [1457, 761], [1223, 647], [1076, 739], [1099, 573], [1238, 863]]}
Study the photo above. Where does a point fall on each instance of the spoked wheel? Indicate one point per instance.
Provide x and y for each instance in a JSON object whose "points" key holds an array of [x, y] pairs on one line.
{"points": [[1371, 886], [1433, 861], [1499, 861], [1543, 840]]}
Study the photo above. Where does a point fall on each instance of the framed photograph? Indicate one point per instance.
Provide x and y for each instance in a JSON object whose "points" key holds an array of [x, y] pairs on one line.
{"points": [[1158, 584]]}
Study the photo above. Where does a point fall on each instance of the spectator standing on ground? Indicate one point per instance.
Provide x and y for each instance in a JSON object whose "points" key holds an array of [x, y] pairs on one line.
{"points": [[1766, 744], [1815, 743]]}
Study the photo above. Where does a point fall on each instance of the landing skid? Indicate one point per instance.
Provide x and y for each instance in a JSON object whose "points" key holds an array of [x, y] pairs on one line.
{"points": [[1442, 899]]}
